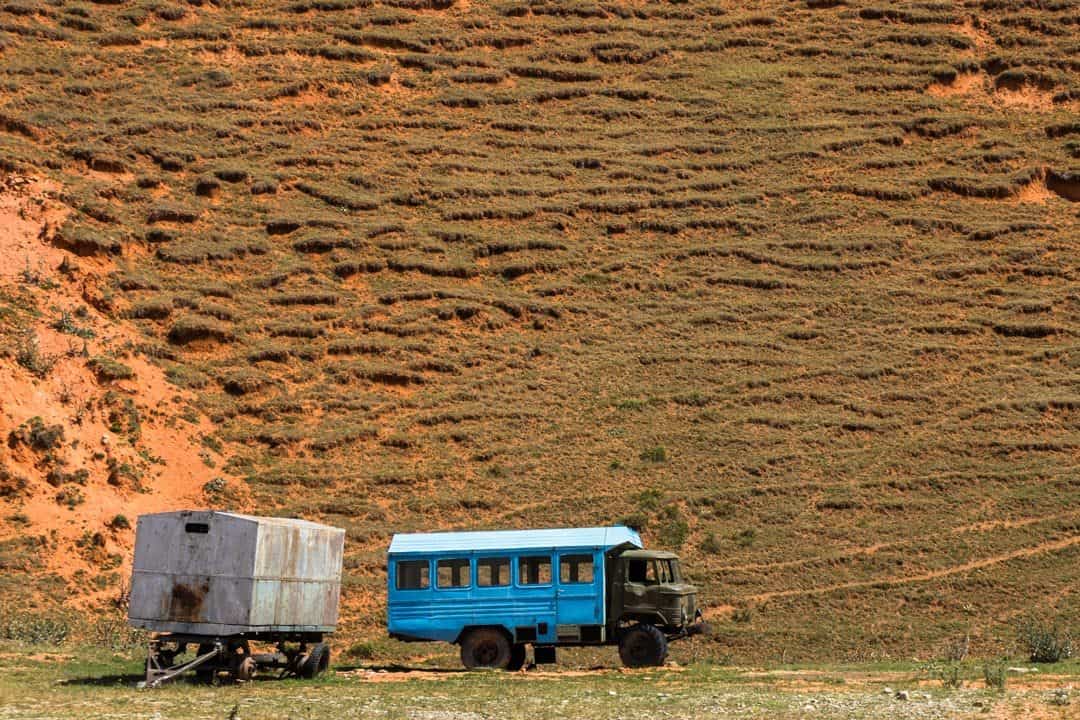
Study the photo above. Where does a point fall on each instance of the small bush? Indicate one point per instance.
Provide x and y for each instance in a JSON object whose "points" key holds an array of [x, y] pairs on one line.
{"points": [[745, 538], [34, 629], [28, 354], [654, 454], [362, 650], [107, 370], [1045, 642], [994, 675], [672, 529], [67, 325], [711, 545], [71, 496], [38, 436], [120, 522], [948, 674], [191, 328]]}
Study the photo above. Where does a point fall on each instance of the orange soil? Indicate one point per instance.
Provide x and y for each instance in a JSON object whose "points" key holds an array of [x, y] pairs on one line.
{"points": [[964, 84], [1025, 98], [70, 395], [1035, 192]]}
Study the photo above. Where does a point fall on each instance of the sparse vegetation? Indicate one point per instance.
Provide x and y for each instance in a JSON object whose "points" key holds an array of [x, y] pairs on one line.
{"points": [[806, 269], [1045, 641]]}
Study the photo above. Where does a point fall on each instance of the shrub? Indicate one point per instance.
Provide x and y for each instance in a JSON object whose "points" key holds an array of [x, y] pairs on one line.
{"points": [[119, 522], [654, 454], [35, 434], [107, 370], [1043, 641], [34, 629], [711, 545], [151, 310], [28, 354], [243, 382], [948, 674], [994, 675], [745, 538], [72, 496], [171, 212], [11, 485], [191, 328], [673, 529], [362, 650], [67, 325]]}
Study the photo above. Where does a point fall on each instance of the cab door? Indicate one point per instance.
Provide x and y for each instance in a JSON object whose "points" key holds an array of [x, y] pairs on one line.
{"points": [[579, 593]]}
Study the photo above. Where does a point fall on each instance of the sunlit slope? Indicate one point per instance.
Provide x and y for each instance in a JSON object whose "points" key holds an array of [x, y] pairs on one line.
{"points": [[793, 286]]}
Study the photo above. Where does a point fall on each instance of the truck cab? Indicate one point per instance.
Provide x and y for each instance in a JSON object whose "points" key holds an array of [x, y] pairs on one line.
{"points": [[495, 593]]}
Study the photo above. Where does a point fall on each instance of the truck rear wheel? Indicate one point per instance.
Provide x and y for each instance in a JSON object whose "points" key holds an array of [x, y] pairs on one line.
{"points": [[486, 648], [643, 646]]}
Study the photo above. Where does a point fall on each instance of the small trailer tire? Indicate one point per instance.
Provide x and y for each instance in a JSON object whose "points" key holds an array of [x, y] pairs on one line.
{"points": [[486, 648], [517, 658], [643, 645], [317, 661], [244, 670]]}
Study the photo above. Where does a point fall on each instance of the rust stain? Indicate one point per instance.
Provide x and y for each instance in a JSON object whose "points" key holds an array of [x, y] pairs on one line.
{"points": [[186, 602]]}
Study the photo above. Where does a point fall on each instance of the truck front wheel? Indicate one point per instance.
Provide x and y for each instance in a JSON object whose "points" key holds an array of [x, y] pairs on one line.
{"points": [[643, 646], [485, 648]]}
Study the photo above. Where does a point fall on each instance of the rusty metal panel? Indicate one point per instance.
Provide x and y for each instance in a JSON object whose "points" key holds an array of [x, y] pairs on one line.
{"points": [[223, 573]]}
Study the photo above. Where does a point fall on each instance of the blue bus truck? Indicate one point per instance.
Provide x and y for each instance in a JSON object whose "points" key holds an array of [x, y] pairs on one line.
{"points": [[496, 592]]}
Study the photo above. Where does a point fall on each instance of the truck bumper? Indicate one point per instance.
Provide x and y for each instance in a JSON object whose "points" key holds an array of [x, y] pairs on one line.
{"points": [[699, 626]]}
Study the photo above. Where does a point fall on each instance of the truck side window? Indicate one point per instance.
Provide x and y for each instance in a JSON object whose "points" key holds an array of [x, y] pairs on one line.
{"points": [[534, 570], [453, 573], [575, 568], [413, 575], [492, 572], [641, 571]]}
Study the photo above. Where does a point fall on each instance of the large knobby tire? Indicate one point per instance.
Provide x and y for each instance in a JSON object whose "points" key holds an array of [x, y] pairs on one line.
{"points": [[517, 658], [486, 648], [317, 661], [643, 646]]}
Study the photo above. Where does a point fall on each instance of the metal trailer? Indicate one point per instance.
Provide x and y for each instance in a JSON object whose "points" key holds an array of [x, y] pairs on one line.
{"points": [[216, 581]]}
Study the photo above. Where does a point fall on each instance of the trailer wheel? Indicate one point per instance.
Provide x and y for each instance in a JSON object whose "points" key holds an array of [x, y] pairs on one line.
{"points": [[316, 662], [244, 670], [486, 648], [517, 657], [643, 646]]}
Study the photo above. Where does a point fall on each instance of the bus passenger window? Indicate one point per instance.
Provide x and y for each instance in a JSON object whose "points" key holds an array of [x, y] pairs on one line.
{"points": [[453, 573], [492, 572], [534, 570], [575, 569], [413, 575]]}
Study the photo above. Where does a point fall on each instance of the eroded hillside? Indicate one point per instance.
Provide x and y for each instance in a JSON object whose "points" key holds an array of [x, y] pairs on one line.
{"points": [[790, 286], [93, 433]]}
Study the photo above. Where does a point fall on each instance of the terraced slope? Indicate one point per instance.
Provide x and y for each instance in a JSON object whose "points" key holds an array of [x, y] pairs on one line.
{"points": [[793, 287]]}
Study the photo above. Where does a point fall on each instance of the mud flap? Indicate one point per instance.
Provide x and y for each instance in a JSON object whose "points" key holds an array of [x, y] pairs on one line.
{"points": [[544, 654]]}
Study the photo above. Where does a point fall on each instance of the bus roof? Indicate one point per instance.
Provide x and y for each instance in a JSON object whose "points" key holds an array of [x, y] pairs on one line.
{"points": [[596, 537]]}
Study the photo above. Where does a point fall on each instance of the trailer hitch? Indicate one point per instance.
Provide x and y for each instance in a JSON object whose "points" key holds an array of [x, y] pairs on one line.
{"points": [[156, 674]]}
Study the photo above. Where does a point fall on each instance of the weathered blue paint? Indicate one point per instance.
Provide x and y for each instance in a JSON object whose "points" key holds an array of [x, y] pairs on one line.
{"points": [[442, 613]]}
